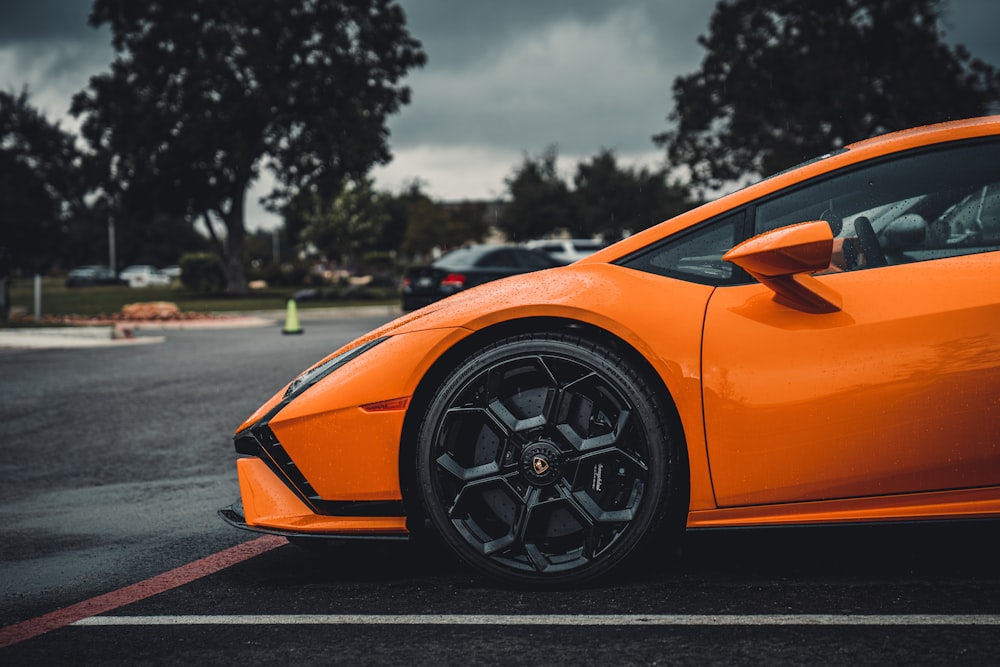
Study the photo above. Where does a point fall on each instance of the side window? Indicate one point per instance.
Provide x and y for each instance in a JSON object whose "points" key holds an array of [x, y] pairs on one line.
{"points": [[973, 221], [497, 259], [695, 255], [919, 206], [532, 260]]}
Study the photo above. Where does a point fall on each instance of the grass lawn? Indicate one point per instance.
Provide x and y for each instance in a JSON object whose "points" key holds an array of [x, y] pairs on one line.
{"points": [[59, 300]]}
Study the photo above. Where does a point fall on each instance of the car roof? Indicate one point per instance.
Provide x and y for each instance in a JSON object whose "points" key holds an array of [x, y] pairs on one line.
{"points": [[469, 255], [565, 245]]}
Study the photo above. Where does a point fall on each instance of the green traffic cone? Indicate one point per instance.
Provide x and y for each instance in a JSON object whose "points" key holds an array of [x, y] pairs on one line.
{"points": [[292, 319]]}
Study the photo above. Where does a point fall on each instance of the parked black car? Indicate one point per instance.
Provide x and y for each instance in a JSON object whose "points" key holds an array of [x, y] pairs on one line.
{"points": [[467, 267], [95, 274]]}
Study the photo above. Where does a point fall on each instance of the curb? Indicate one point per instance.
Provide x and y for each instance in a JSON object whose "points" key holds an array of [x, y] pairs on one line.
{"points": [[122, 333], [36, 339]]}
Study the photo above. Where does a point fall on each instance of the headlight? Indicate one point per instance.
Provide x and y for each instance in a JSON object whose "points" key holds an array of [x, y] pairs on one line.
{"points": [[320, 371]]}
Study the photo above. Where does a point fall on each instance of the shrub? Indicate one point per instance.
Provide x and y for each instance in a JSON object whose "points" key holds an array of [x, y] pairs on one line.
{"points": [[202, 272], [287, 274]]}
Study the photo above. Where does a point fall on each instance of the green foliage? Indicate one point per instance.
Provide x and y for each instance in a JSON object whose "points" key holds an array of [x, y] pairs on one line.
{"points": [[364, 230], [157, 240], [606, 200], [260, 246], [441, 225], [349, 225], [397, 208], [784, 81], [284, 274], [611, 200], [58, 300], [40, 190], [202, 272], [202, 93], [540, 200]]}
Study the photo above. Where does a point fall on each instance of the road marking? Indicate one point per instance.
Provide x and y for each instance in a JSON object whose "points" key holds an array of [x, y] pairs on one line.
{"points": [[542, 620], [101, 604]]}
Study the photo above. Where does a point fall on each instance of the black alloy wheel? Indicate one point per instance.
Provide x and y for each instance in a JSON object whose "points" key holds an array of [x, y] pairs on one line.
{"points": [[545, 459]]}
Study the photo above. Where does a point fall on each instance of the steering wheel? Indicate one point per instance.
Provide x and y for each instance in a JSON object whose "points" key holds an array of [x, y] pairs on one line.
{"points": [[869, 242]]}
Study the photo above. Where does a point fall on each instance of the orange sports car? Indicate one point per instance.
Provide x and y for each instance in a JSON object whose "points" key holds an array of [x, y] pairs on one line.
{"points": [[821, 347]]}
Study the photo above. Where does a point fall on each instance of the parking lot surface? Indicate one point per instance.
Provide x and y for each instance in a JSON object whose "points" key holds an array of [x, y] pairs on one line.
{"points": [[116, 459]]}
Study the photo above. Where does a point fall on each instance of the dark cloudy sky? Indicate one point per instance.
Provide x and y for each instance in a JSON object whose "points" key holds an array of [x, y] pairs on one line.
{"points": [[502, 79]]}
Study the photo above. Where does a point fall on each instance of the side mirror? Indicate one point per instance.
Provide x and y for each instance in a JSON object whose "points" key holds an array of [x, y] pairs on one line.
{"points": [[782, 260]]}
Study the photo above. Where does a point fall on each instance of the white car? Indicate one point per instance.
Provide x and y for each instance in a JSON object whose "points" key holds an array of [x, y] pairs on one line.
{"points": [[566, 251], [144, 275]]}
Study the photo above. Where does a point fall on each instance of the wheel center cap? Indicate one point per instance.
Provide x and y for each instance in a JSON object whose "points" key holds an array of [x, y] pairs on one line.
{"points": [[540, 463]]}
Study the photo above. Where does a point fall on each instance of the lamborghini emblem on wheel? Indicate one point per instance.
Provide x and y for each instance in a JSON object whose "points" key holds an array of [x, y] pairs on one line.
{"points": [[539, 464]]}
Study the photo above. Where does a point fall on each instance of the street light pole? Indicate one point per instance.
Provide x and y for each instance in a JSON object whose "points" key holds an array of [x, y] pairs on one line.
{"points": [[38, 297], [112, 262]]}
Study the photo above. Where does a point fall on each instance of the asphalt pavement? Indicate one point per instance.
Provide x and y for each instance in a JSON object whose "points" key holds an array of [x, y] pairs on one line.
{"points": [[113, 465]]}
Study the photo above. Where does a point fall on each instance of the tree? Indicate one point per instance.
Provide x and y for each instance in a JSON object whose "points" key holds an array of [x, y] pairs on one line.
{"points": [[432, 225], [397, 207], [540, 201], [612, 200], [350, 225], [40, 186], [785, 80], [204, 93]]}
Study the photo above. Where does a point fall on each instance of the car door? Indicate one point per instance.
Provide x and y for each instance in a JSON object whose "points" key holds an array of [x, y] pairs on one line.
{"points": [[898, 390]]}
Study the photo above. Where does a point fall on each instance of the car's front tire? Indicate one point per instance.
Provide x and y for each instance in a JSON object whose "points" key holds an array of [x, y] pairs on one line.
{"points": [[546, 459]]}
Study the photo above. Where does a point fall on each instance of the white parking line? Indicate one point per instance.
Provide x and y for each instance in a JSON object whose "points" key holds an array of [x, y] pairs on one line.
{"points": [[549, 619]]}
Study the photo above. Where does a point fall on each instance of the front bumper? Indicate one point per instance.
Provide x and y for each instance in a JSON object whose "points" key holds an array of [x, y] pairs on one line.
{"points": [[322, 456], [235, 516], [268, 505]]}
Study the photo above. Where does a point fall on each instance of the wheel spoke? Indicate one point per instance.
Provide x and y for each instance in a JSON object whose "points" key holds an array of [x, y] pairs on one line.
{"points": [[478, 489], [467, 474], [512, 423], [487, 548], [515, 533], [464, 413], [610, 452], [599, 515], [487, 513], [584, 444], [518, 392], [540, 526], [473, 444], [519, 529]]}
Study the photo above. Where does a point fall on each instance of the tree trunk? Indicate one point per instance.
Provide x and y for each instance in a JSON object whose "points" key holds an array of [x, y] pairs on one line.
{"points": [[236, 277], [4, 298]]}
